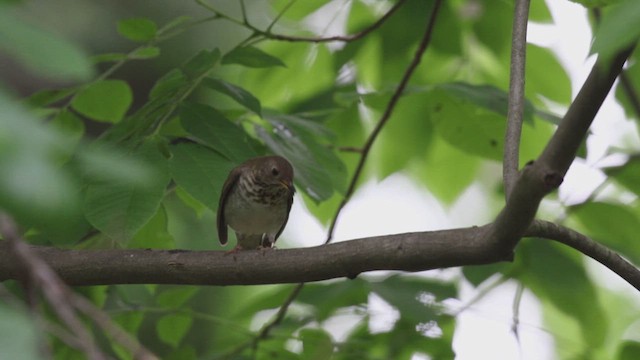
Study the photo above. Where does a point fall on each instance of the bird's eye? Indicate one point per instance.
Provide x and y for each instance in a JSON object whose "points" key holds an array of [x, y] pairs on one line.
{"points": [[275, 172]]}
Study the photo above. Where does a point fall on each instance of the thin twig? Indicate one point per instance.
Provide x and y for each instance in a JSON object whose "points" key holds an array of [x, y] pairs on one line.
{"points": [[516, 96], [120, 336], [291, 38], [587, 246], [517, 300], [387, 114]]}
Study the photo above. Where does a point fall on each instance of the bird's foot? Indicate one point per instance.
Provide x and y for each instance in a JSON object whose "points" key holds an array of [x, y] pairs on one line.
{"points": [[234, 250]]}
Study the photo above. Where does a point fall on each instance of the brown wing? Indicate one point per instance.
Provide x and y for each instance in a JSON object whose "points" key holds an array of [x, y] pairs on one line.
{"points": [[229, 184], [289, 203]]}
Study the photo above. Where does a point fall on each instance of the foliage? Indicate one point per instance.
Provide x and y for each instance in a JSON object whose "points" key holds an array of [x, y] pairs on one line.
{"points": [[97, 162]]}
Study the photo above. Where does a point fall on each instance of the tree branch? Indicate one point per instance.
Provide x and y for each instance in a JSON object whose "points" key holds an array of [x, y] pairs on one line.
{"points": [[405, 252], [539, 178], [515, 112], [587, 246], [292, 38]]}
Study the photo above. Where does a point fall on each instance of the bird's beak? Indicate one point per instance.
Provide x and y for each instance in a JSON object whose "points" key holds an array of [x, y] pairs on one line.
{"points": [[287, 184]]}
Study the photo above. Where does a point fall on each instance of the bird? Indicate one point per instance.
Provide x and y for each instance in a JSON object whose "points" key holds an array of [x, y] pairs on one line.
{"points": [[255, 202]]}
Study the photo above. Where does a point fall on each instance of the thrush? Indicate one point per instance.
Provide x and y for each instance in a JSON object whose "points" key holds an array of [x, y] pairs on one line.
{"points": [[255, 202]]}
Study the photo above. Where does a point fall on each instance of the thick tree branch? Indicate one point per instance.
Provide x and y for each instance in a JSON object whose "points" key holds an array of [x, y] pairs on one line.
{"points": [[404, 252], [515, 112], [407, 252]]}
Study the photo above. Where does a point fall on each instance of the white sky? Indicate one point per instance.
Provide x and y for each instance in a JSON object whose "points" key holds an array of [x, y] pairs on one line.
{"points": [[398, 205]]}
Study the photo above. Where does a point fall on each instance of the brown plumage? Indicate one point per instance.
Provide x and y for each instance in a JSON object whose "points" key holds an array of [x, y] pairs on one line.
{"points": [[255, 202]]}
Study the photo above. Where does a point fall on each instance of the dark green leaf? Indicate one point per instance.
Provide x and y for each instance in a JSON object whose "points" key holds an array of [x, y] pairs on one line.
{"points": [[328, 298], [47, 97], [614, 225], [416, 299], [172, 328], [209, 126], [201, 63], [105, 100], [629, 350], [316, 344], [169, 84], [41, 51], [121, 209], [242, 96], [486, 96], [137, 29], [251, 57], [148, 52], [618, 29], [69, 124], [627, 174], [476, 275], [199, 171], [154, 234], [175, 297], [558, 276]]}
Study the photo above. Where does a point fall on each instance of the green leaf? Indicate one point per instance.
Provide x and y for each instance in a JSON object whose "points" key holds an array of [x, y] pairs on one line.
{"points": [[251, 57], [169, 84], [317, 169], [47, 97], [148, 52], [137, 29], [614, 225], [488, 97], [328, 298], [154, 234], [130, 322], [446, 170], [214, 130], [405, 294], [19, 337], [242, 96], [199, 171], [70, 125], [172, 328], [409, 126], [558, 276], [475, 130], [175, 297], [629, 350], [42, 52], [545, 76], [627, 174], [618, 29], [119, 209], [201, 63], [316, 344], [105, 100]]}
